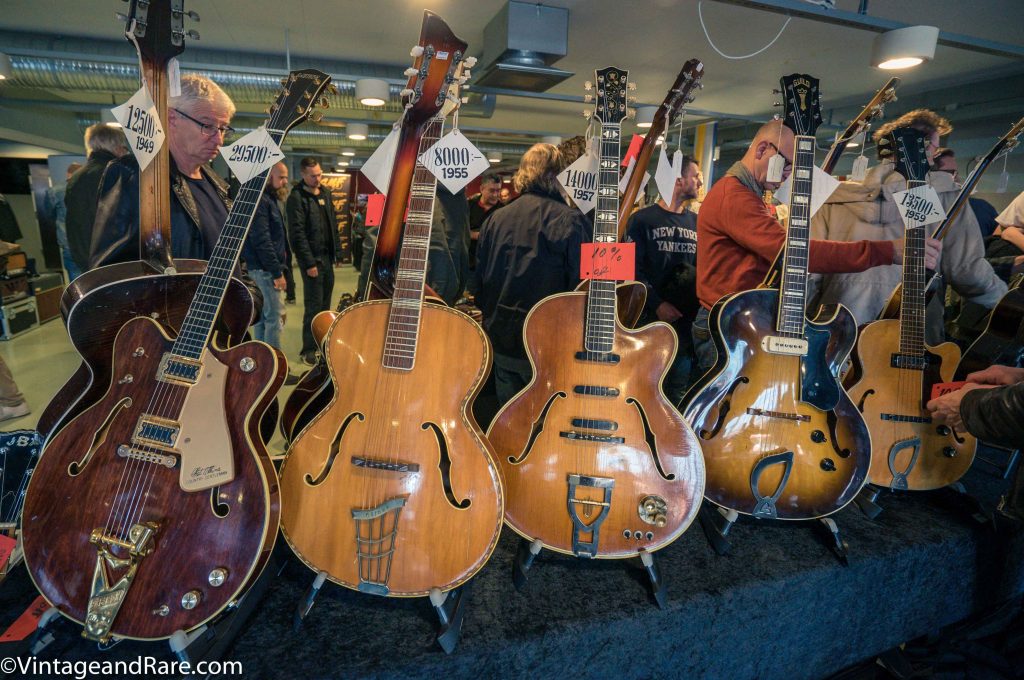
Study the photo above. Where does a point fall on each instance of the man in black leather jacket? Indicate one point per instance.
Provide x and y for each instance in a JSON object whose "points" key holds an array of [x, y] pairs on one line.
{"points": [[104, 144]]}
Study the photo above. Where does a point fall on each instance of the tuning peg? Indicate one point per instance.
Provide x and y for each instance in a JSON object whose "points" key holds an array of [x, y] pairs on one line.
{"points": [[467, 73], [776, 103], [470, 62], [316, 116], [410, 72], [416, 51], [631, 113], [122, 17], [324, 102], [632, 86], [631, 100], [193, 34], [587, 98], [588, 86], [587, 113], [405, 92], [689, 99], [194, 16]]}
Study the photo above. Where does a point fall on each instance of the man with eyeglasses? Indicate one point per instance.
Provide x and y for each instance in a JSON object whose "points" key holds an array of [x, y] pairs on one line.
{"points": [[738, 238], [859, 210], [197, 123]]}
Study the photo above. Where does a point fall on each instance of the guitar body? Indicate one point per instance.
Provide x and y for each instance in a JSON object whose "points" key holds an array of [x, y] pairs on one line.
{"points": [[99, 302], [1003, 339], [81, 484], [801, 462], [908, 455], [396, 455], [554, 482]]}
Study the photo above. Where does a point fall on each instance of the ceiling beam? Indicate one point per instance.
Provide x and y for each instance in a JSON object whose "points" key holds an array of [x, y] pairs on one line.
{"points": [[804, 10]]}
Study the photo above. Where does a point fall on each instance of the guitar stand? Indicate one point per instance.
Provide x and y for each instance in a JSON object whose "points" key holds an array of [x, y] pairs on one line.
{"points": [[716, 523], [526, 553], [657, 585], [829, 530], [306, 603], [451, 610], [955, 497], [867, 501], [42, 635]]}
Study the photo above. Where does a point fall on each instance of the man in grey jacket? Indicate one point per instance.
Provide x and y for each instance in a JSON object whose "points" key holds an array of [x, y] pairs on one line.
{"points": [[867, 210]]}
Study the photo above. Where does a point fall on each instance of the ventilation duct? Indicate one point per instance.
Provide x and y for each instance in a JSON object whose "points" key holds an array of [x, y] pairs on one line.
{"points": [[521, 43]]}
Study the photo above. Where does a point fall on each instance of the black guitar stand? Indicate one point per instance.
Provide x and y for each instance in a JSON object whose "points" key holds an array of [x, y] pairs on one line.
{"points": [[828, 530], [955, 497], [867, 501], [306, 603], [527, 552], [717, 522]]}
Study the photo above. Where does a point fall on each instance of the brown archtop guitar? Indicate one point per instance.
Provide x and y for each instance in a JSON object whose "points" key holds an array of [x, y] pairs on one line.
{"points": [[894, 370], [597, 462], [155, 508], [781, 438], [392, 489]]}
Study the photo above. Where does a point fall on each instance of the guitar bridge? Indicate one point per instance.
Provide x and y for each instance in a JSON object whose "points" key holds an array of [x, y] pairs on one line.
{"points": [[580, 547], [108, 595], [376, 529]]}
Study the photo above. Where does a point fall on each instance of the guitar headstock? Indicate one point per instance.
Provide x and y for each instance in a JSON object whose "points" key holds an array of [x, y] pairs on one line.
{"points": [[453, 99], [801, 103], [437, 58], [905, 147], [301, 93], [1011, 138], [158, 28], [611, 100], [681, 94]]}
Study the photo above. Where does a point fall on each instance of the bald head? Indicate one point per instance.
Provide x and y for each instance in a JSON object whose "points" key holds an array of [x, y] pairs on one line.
{"points": [[773, 137]]}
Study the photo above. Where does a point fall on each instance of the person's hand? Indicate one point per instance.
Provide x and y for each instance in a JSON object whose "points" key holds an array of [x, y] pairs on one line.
{"points": [[667, 311], [1018, 261], [932, 250], [280, 283], [997, 375], [312, 272], [945, 410]]}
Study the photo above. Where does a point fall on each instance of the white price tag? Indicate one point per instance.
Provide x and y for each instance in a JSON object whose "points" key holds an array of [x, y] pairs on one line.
{"points": [[665, 177], [919, 206], [252, 154], [173, 78], [377, 167], [776, 165], [629, 173], [141, 122], [677, 163], [454, 161], [1004, 182], [823, 186], [580, 180], [860, 168]]}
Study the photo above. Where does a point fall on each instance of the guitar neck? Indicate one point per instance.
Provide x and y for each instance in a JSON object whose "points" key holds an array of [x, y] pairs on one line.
{"points": [[155, 181], [913, 303], [402, 335], [600, 324], [791, 316]]}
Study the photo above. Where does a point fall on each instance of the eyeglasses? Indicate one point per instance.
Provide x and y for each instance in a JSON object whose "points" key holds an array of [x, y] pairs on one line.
{"points": [[789, 163], [207, 130]]}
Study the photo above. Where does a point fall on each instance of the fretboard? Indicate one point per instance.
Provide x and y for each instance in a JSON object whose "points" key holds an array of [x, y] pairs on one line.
{"points": [[198, 323], [912, 305], [404, 319], [793, 292], [599, 334]]}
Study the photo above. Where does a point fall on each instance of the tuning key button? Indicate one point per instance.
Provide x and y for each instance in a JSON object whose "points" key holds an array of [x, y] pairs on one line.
{"points": [[818, 437], [588, 86], [410, 72], [416, 51], [828, 465], [470, 62], [949, 452]]}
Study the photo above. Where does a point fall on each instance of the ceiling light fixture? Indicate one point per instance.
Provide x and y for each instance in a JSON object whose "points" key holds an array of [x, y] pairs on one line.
{"points": [[357, 131], [904, 47], [348, 152], [372, 92], [645, 116], [6, 70], [553, 140], [494, 156]]}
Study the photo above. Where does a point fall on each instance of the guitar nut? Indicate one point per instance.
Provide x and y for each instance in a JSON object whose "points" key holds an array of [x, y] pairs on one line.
{"points": [[247, 364]]}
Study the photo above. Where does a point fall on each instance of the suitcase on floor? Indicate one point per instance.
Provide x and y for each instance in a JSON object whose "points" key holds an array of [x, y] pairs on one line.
{"points": [[18, 317]]}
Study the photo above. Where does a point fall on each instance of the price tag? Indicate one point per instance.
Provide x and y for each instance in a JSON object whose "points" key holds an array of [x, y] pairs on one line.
{"points": [[252, 154], [665, 177], [629, 173], [377, 167], [822, 187], [7, 545], [1004, 182], [141, 122], [26, 624], [454, 161], [173, 78], [939, 389], [919, 206], [860, 168], [608, 261], [374, 209], [677, 163], [776, 166], [580, 180]]}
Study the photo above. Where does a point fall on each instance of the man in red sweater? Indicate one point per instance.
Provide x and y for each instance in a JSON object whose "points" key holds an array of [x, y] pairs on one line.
{"points": [[738, 239]]}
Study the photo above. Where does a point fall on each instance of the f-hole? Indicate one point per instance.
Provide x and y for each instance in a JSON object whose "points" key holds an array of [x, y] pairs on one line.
{"points": [[444, 466], [98, 439], [723, 409], [864, 398], [536, 428], [333, 451], [652, 442], [219, 507]]}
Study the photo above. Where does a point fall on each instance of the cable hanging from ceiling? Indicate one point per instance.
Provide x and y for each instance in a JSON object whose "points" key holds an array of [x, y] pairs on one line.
{"points": [[700, 14]]}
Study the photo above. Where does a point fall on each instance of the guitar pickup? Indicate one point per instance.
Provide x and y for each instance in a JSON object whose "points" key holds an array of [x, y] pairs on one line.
{"points": [[911, 361], [776, 344], [154, 431], [178, 370]]}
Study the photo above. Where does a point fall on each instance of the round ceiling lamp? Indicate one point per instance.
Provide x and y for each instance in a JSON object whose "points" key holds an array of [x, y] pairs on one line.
{"points": [[553, 140], [357, 131], [372, 92], [348, 152], [494, 156], [645, 116], [904, 47]]}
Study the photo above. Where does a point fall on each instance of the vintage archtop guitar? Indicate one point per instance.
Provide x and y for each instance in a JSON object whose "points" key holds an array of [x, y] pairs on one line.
{"points": [[392, 489], [894, 369], [156, 508], [596, 460], [781, 438]]}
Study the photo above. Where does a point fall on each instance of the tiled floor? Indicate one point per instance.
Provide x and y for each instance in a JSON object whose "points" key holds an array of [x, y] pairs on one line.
{"points": [[43, 359]]}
